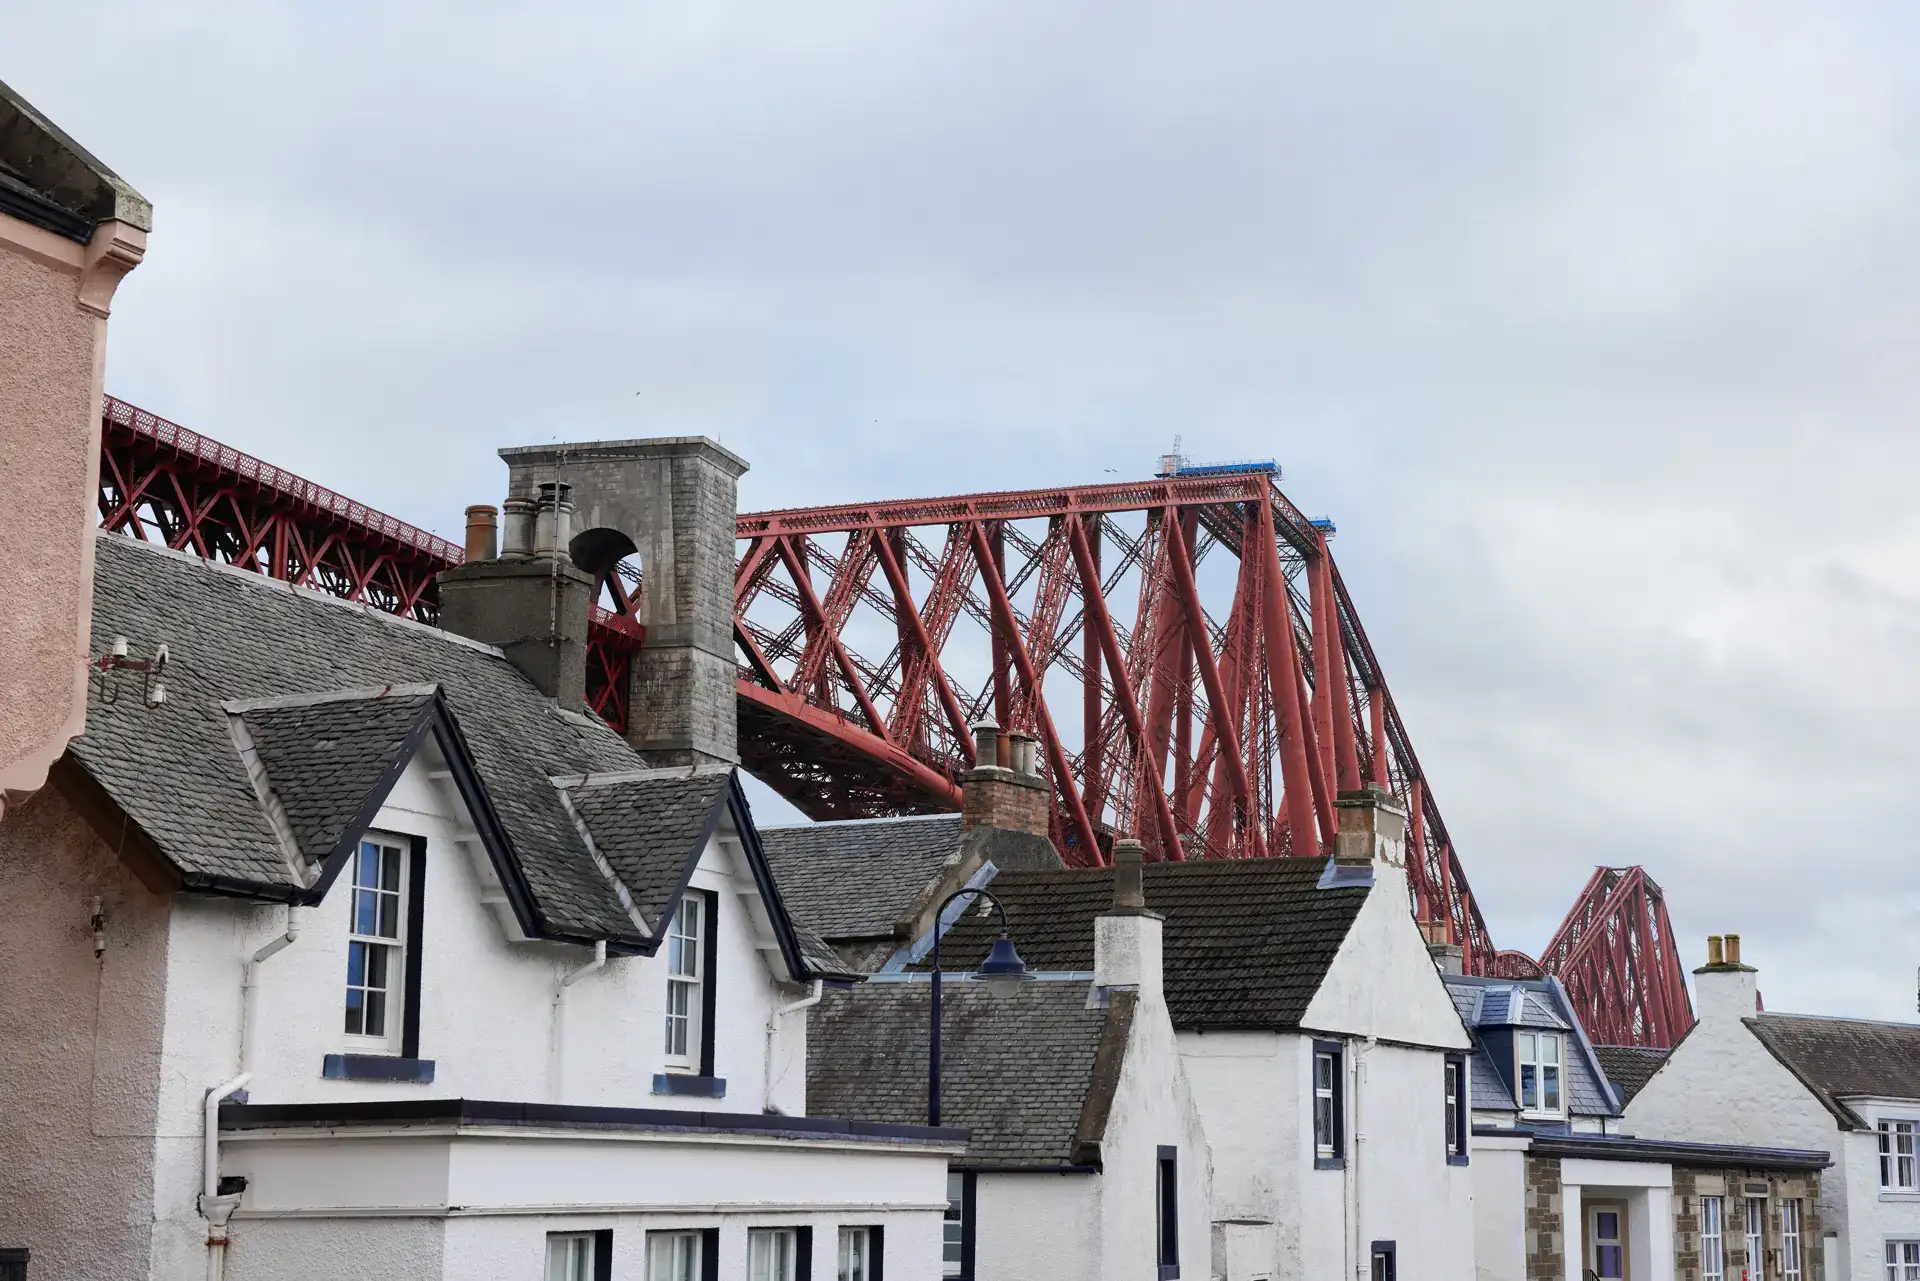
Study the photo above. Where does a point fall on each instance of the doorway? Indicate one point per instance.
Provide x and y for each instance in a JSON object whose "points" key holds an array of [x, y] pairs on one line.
{"points": [[1607, 1241]]}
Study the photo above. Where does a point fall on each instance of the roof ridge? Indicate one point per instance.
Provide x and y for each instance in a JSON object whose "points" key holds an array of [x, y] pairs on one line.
{"points": [[1834, 1018], [261, 581], [369, 693], [835, 824]]}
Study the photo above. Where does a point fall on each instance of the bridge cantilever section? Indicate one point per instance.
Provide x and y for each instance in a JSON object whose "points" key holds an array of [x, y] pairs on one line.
{"points": [[862, 664]]}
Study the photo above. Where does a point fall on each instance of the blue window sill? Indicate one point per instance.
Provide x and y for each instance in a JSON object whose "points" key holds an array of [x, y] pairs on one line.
{"points": [[376, 1067], [1329, 1163], [689, 1086], [1457, 1158]]}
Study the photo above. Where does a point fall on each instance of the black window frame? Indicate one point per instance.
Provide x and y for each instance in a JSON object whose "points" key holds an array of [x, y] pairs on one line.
{"points": [[1338, 1138], [1389, 1252], [802, 1247], [1166, 1205], [602, 1249], [1459, 1111], [876, 1248]]}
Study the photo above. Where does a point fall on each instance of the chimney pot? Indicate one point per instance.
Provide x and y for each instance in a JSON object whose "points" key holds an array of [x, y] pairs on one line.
{"points": [[1129, 891], [553, 520], [986, 742], [1715, 955], [482, 524], [1733, 949], [516, 528], [1021, 754]]}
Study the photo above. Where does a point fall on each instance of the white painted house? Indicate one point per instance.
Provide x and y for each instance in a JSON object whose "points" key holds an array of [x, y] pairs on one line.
{"points": [[1319, 1041], [1086, 1160], [1563, 1193], [1850, 1086], [357, 956]]}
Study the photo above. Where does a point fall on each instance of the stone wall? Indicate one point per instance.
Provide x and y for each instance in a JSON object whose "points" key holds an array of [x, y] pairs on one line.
{"points": [[1546, 1238], [1733, 1186]]}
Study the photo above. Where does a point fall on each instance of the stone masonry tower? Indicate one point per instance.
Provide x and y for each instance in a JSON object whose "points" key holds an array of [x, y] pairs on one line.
{"points": [[670, 500]]}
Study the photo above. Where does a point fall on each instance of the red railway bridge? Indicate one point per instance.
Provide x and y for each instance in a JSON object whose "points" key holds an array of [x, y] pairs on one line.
{"points": [[1183, 650]]}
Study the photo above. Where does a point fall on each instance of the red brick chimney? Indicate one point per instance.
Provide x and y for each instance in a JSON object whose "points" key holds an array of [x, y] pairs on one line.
{"points": [[1004, 788]]}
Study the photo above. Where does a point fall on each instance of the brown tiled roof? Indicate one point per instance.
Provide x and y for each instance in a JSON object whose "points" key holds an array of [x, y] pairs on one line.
{"points": [[1628, 1066], [1840, 1059], [1247, 941], [1029, 1072]]}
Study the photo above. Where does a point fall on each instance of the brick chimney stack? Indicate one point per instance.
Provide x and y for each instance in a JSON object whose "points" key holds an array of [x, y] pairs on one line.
{"points": [[530, 600], [1373, 828], [1723, 987], [1004, 789]]}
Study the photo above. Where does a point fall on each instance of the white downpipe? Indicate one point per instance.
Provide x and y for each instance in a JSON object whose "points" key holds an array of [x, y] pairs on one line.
{"points": [[250, 987], [215, 1208], [557, 1037], [1362, 1252], [811, 999]]}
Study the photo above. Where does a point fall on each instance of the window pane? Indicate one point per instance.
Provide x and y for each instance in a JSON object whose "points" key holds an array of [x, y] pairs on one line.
{"points": [[1550, 1088], [366, 911], [376, 1013], [1529, 1088], [356, 1012], [357, 964], [953, 1230], [1527, 1051], [390, 870], [1323, 1071], [366, 870]]}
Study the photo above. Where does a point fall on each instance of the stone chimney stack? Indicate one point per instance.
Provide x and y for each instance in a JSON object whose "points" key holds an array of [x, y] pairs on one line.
{"points": [[1373, 828], [1005, 789], [1448, 958], [668, 502], [1724, 988], [1126, 939], [532, 602]]}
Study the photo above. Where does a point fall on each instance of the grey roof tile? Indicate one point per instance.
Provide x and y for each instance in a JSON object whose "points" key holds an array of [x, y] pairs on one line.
{"points": [[1629, 1067], [322, 760], [1840, 1059], [652, 829], [1247, 941], [232, 636], [857, 879], [1016, 1067]]}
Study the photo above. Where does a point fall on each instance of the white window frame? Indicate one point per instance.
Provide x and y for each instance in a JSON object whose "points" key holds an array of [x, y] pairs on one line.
{"points": [[1756, 1238], [1454, 1074], [1903, 1260], [1529, 1051], [856, 1254], [1713, 1239], [1899, 1168], [773, 1254], [570, 1256], [666, 1249], [393, 946], [1598, 1243], [1791, 1264], [1326, 1105], [686, 982]]}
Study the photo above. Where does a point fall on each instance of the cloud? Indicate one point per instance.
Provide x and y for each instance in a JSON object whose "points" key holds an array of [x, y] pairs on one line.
{"points": [[1594, 329]]}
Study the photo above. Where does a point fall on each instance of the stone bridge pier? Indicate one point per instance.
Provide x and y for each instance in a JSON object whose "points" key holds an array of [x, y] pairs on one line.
{"points": [[671, 501]]}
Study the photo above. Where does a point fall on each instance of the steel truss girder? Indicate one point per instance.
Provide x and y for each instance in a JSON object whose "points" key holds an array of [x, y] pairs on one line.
{"points": [[1204, 735]]}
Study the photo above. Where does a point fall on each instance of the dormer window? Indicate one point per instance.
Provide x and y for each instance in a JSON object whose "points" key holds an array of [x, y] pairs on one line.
{"points": [[1538, 1055], [686, 977]]}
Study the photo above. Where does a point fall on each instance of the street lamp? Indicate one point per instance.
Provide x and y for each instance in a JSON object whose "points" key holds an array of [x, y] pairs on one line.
{"points": [[1002, 970]]}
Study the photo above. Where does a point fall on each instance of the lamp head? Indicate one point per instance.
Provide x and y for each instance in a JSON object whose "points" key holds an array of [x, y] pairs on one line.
{"points": [[1003, 967]]}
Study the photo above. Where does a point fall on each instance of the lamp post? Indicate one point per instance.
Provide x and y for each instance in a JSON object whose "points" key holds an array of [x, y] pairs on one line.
{"points": [[1002, 968]]}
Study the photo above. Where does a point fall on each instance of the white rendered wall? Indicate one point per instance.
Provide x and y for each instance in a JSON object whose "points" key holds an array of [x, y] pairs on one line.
{"points": [[1499, 1209], [486, 1018], [1243, 1083], [1721, 1085], [1409, 1194], [1036, 1227], [1382, 982], [1875, 1216]]}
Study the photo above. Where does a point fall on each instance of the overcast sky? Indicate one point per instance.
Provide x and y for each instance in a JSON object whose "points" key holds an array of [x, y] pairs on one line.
{"points": [[1594, 327]]}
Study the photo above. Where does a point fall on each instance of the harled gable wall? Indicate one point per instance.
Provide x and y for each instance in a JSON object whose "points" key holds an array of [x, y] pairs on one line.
{"points": [[80, 1057]]}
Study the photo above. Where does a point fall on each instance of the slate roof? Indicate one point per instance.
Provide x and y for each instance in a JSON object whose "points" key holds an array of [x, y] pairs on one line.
{"points": [[858, 879], [1839, 1059], [247, 648], [1628, 1067], [651, 829], [323, 759], [1492, 1009], [1247, 942], [1023, 1070]]}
